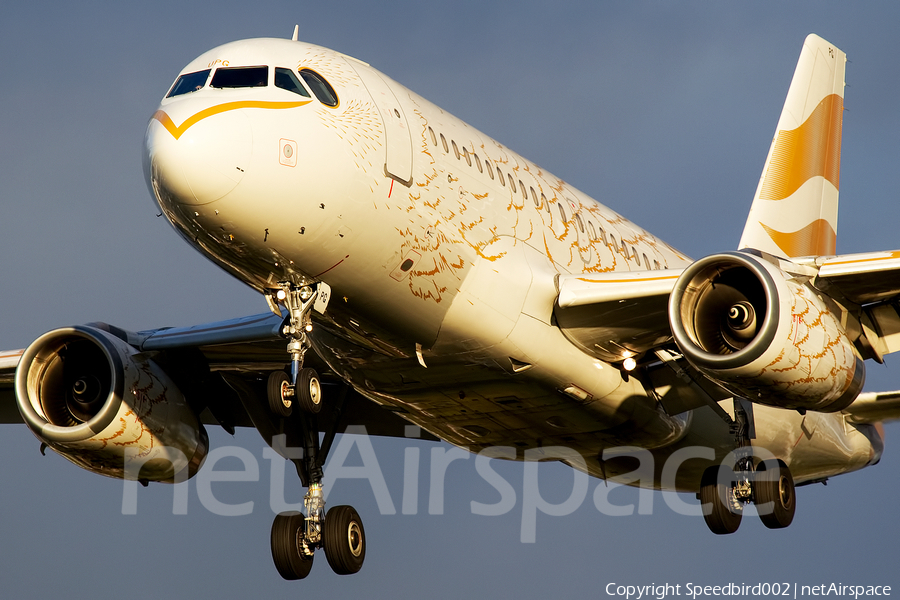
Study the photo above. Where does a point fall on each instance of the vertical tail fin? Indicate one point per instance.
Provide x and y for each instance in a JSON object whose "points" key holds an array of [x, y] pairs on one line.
{"points": [[795, 209]]}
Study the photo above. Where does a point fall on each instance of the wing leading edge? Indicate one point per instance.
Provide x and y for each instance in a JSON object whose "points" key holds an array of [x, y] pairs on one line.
{"points": [[221, 368]]}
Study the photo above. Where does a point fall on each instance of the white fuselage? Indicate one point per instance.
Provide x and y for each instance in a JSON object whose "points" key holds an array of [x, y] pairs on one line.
{"points": [[433, 236]]}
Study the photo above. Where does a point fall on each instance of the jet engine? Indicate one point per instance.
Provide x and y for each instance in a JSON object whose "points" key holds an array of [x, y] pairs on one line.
{"points": [[107, 407], [762, 335]]}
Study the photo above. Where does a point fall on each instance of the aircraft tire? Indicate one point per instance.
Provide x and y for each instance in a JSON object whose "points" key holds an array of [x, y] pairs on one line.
{"points": [[278, 387], [344, 540], [289, 562], [716, 490], [773, 494], [309, 391]]}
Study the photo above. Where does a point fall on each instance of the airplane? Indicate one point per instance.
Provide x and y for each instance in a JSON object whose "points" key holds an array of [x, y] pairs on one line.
{"points": [[422, 277]]}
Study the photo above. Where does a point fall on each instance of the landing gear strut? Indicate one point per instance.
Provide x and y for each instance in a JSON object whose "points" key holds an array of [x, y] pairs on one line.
{"points": [[302, 386], [339, 531], [725, 491]]}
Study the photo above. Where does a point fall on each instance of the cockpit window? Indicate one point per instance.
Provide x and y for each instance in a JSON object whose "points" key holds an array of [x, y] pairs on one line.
{"points": [[323, 91], [286, 80], [189, 82], [240, 77]]}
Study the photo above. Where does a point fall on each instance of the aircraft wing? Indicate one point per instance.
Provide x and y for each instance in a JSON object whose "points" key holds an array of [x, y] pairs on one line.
{"points": [[874, 407], [861, 278], [616, 315], [8, 363], [872, 282], [223, 365]]}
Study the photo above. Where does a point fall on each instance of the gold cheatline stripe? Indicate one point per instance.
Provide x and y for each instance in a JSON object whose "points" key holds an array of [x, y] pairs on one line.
{"points": [[816, 239], [890, 256], [639, 280], [178, 131], [812, 149]]}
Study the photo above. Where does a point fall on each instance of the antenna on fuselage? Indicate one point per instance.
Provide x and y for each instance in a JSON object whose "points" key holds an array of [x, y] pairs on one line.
{"points": [[296, 32]]}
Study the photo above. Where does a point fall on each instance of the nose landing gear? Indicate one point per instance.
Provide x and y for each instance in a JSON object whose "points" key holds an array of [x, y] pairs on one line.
{"points": [[302, 386]]}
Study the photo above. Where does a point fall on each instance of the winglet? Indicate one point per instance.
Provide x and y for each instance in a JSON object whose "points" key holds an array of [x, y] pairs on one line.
{"points": [[795, 209]]}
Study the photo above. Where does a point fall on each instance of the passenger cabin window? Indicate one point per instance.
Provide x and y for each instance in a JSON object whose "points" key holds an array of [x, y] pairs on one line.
{"points": [[286, 80], [562, 212], [187, 83], [240, 77], [490, 169], [580, 222], [455, 148], [501, 177], [433, 139], [444, 142], [535, 199], [646, 262], [512, 183], [478, 163], [321, 88], [467, 156]]}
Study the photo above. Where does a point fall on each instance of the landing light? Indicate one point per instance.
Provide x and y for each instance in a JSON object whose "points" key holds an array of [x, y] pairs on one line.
{"points": [[281, 295], [629, 364]]}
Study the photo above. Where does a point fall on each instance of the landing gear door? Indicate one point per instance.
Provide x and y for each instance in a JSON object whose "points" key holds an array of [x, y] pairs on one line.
{"points": [[398, 163]]}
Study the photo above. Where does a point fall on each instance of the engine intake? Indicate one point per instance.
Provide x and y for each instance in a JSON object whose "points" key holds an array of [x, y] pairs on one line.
{"points": [[97, 401], [750, 327]]}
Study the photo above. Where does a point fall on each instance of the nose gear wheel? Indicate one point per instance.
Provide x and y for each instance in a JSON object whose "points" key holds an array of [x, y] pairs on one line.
{"points": [[302, 388]]}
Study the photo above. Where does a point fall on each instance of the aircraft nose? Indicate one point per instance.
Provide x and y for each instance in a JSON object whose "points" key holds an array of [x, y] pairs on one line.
{"points": [[198, 160]]}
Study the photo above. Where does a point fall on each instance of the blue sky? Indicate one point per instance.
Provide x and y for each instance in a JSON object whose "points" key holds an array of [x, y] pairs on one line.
{"points": [[662, 110]]}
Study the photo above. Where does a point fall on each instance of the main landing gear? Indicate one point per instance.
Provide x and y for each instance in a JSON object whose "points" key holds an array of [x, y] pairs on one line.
{"points": [[339, 531], [296, 537], [724, 491]]}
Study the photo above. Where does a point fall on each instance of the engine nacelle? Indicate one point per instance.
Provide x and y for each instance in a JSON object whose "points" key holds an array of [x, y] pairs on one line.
{"points": [[97, 401], [747, 325]]}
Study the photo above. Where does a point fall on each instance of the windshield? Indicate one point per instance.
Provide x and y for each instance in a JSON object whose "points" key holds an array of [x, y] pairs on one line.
{"points": [[286, 80], [189, 82], [240, 77], [321, 88]]}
